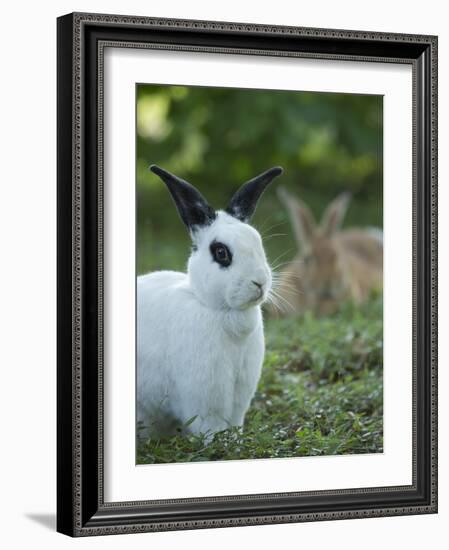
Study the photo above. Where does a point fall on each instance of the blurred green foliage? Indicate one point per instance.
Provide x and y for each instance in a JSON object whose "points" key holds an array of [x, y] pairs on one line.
{"points": [[217, 138]]}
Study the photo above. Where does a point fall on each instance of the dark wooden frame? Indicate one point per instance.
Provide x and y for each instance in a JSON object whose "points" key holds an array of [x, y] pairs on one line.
{"points": [[81, 509]]}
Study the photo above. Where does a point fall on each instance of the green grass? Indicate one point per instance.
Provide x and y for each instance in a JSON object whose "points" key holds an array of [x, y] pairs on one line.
{"points": [[320, 393]]}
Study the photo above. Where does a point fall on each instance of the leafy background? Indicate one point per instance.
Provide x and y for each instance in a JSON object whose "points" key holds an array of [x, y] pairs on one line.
{"points": [[217, 138], [321, 388]]}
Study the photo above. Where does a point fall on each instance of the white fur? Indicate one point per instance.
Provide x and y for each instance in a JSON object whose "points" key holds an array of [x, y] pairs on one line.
{"points": [[200, 335]]}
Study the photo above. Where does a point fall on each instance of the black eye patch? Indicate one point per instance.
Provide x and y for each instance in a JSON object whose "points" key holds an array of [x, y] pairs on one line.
{"points": [[221, 254]]}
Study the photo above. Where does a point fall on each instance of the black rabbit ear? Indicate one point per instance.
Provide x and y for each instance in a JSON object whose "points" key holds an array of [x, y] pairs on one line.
{"points": [[192, 206], [243, 203]]}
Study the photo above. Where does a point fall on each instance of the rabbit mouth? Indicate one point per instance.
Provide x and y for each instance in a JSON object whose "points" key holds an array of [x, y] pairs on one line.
{"points": [[261, 295], [245, 297], [258, 299]]}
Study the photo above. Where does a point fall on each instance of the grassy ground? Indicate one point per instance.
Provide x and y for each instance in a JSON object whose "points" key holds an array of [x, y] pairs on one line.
{"points": [[320, 394]]}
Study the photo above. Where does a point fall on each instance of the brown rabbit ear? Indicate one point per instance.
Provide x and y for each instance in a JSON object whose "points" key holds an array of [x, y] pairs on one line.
{"points": [[334, 214], [302, 219]]}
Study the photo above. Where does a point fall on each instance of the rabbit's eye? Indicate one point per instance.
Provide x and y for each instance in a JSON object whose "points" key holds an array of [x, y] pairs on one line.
{"points": [[221, 254]]}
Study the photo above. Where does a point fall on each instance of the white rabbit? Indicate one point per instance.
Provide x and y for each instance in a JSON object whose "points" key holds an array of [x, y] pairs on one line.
{"points": [[200, 343]]}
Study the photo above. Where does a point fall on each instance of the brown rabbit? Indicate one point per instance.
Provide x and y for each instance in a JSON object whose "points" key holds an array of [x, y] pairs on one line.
{"points": [[332, 265]]}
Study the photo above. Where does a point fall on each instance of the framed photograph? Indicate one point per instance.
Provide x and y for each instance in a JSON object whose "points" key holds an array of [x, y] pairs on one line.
{"points": [[247, 278]]}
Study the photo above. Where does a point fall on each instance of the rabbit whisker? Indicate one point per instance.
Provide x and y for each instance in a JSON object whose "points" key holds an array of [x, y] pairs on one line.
{"points": [[280, 278], [282, 274], [274, 309], [275, 268], [290, 274], [265, 222], [281, 256], [279, 297], [280, 265], [289, 291], [271, 227], [274, 235], [279, 283], [275, 303], [285, 286]]}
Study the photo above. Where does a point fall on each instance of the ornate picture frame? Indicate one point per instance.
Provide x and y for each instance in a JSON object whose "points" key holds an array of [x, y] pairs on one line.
{"points": [[81, 507]]}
